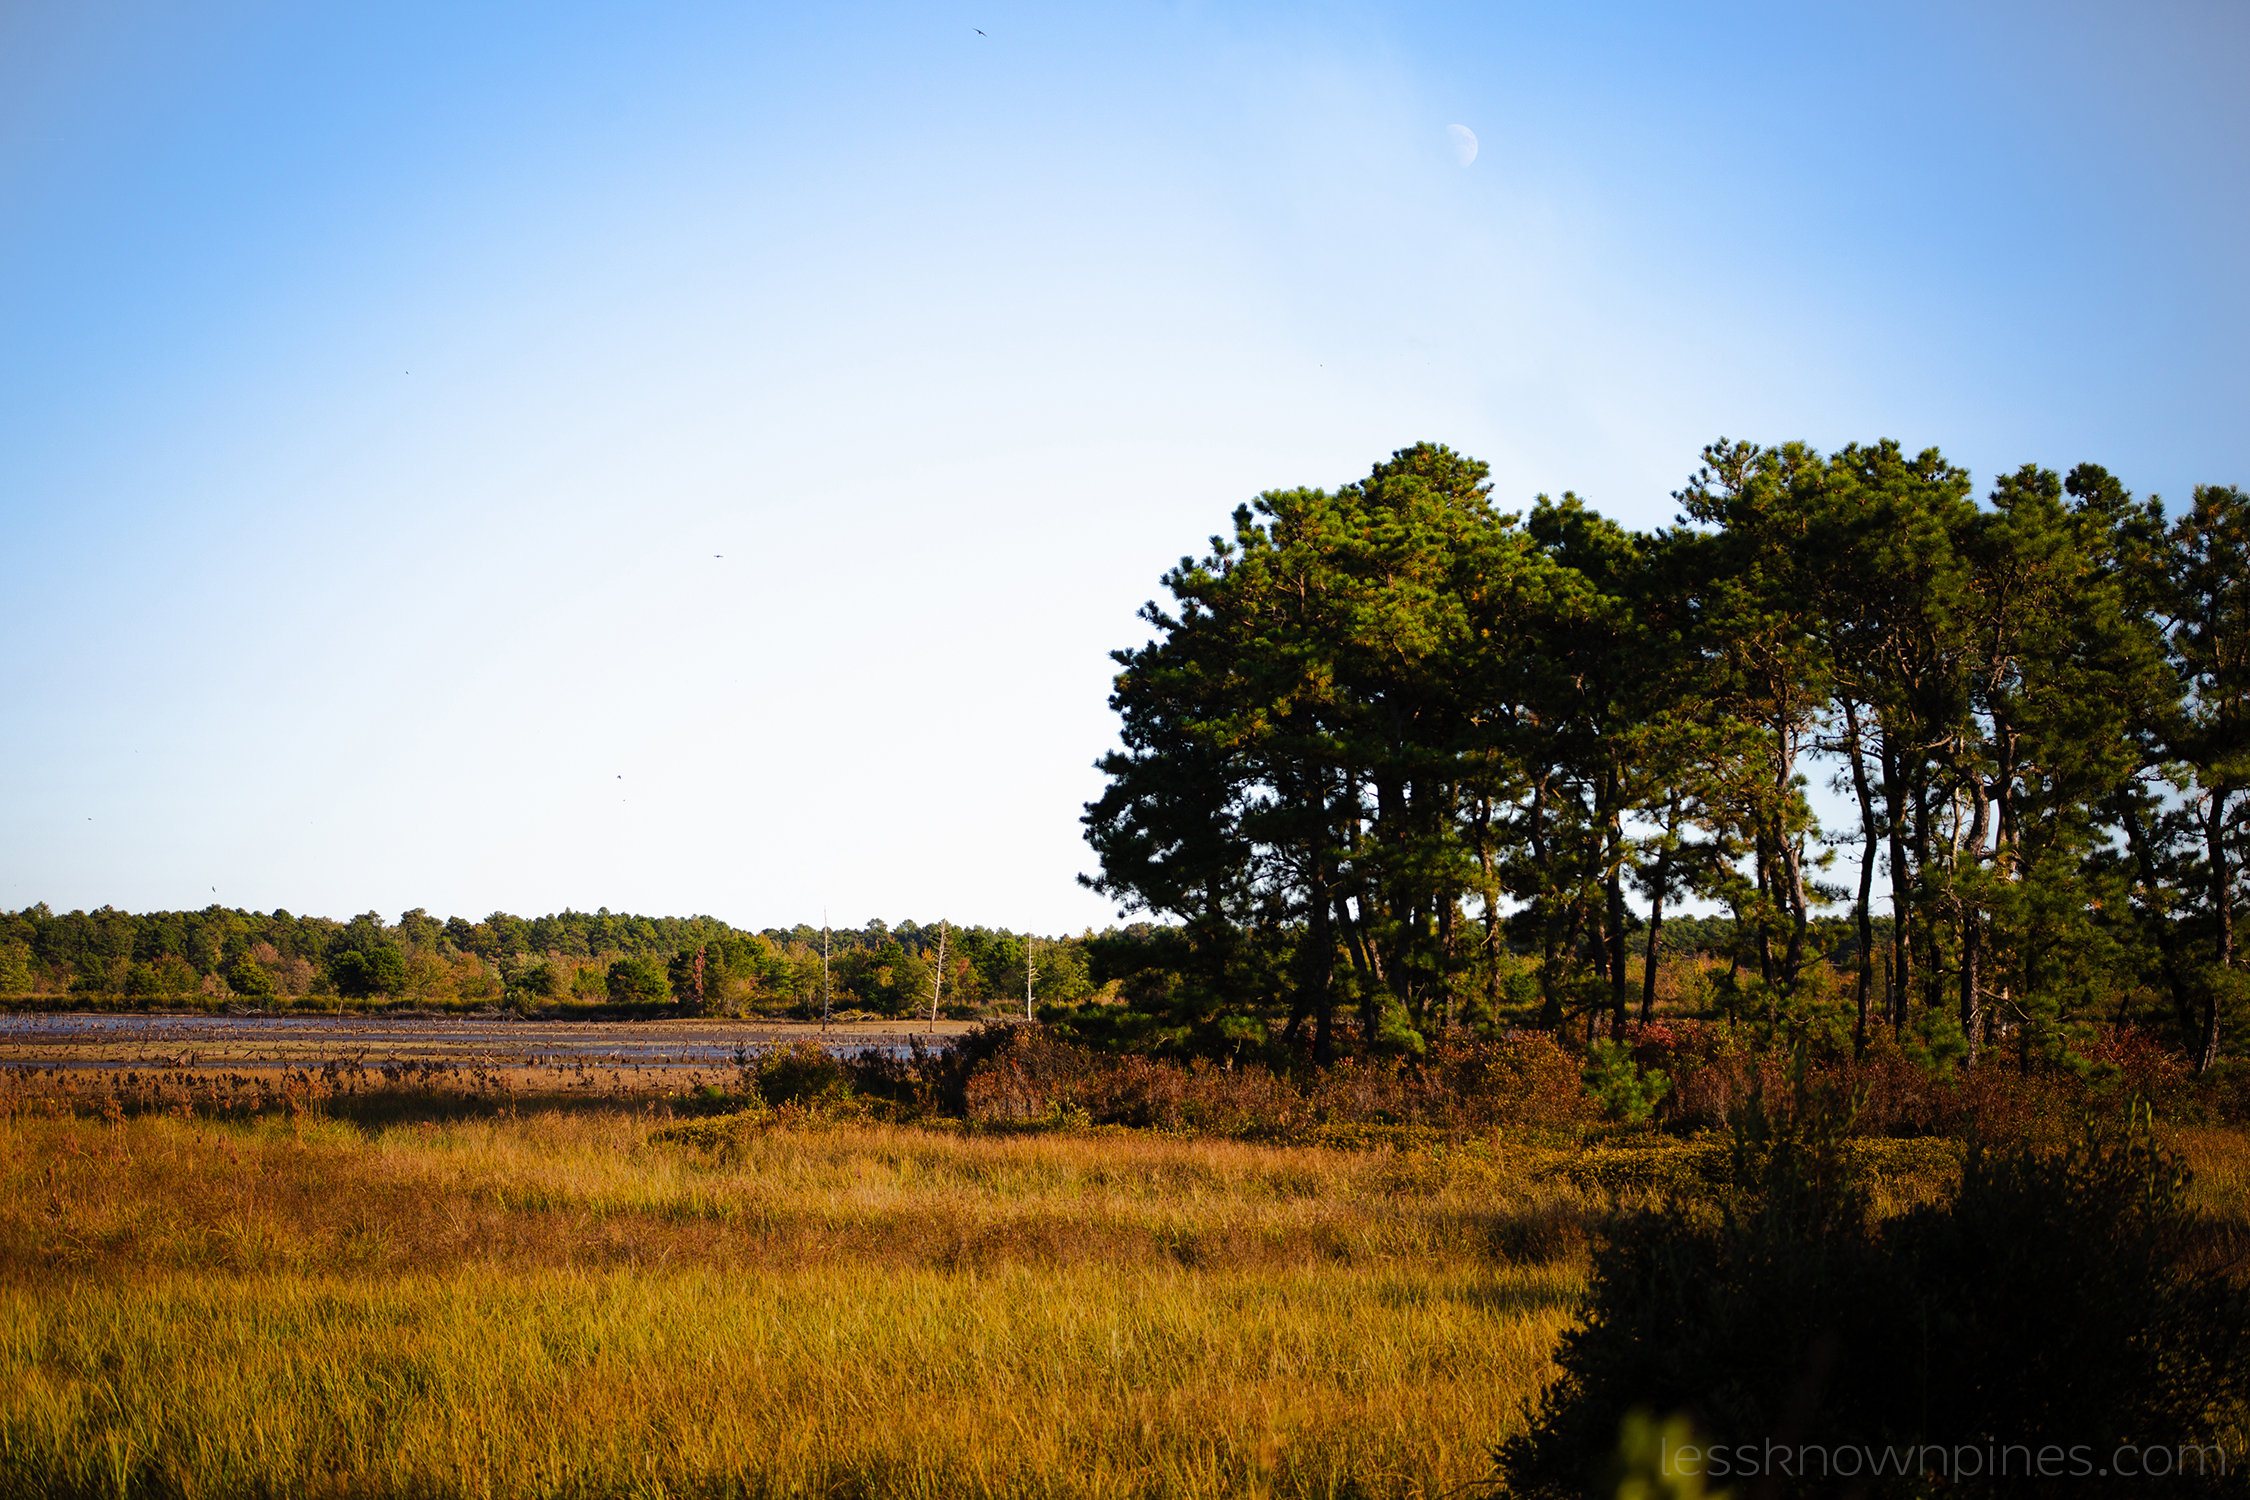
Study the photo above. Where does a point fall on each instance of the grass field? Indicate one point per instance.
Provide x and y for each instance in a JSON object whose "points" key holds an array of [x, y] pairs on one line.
{"points": [[580, 1297], [555, 1305]]}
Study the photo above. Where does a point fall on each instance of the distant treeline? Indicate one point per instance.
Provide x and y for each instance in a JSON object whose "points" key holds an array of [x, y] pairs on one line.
{"points": [[222, 953], [1114, 984]]}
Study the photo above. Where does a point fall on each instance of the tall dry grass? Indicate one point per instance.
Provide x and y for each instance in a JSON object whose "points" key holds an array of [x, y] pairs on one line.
{"points": [[560, 1304], [593, 1298], [591, 1189], [847, 1380]]}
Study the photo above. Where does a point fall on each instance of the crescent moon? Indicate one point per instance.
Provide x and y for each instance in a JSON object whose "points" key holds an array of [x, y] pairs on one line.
{"points": [[1464, 143]]}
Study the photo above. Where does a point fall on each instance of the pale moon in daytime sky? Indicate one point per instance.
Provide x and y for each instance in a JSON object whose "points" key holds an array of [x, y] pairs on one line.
{"points": [[1464, 143]]}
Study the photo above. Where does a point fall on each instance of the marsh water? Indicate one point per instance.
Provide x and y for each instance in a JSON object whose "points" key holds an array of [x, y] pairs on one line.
{"points": [[84, 1040]]}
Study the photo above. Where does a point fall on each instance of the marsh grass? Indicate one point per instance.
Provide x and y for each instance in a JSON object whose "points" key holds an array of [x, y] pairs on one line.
{"points": [[566, 1303], [592, 1190], [1066, 1381], [524, 1293]]}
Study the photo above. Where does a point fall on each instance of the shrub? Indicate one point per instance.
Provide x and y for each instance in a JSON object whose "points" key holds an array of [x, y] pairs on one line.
{"points": [[687, 976], [246, 976], [388, 966], [1017, 1072], [1625, 1089], [945, 1073], [801, 1074], [879, 1073], [2016, 1095], [2054, 1299], [1035, 1076], [638, 981], [722, 1135], [347, 971], [533, 982], [376, 971], [98, 976]]}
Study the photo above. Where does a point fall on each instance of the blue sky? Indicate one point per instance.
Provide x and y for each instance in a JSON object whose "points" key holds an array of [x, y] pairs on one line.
{"points": [[696, 458]]}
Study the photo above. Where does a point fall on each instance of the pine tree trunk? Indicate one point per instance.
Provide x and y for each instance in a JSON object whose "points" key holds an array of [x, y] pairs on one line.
{"points": [[2167, 935], [1866, 966], [2222, 910], [1317, 991], [1932, 965], [1902, 895], [1656, 909], [1970, 861], [1615, 895], [1972, 1002]]}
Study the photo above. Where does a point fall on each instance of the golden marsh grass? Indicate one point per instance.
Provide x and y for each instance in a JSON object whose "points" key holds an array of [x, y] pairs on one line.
{"points": [[551, 1298], [556, 1305], [850, 1380]]}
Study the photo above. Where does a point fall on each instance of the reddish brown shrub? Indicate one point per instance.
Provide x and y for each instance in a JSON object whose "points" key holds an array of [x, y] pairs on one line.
{"points": [[1522, 1080]]}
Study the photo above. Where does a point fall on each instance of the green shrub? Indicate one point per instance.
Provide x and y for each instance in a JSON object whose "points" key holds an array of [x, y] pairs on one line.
{"points": [[722, 1135], [690, 977], [168, 975], [359, 975], [1625, 1089], [99, 976], [15, 968], [2054, 1299], [801, 1074], [530, 983], [1710, 1168], [249, 977], [638, 981]]}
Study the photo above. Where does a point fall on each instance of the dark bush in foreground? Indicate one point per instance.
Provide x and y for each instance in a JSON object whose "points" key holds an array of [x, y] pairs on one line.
{"points": [[2057, 1300]]}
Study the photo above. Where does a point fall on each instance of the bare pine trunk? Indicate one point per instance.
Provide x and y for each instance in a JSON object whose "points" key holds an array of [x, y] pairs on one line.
{"points": [[937, 981]]}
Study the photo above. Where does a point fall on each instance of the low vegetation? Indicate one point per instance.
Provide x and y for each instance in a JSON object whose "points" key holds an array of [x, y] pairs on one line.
{"points": [[1012, 1266], [2069, 1303], [588, 1301]]}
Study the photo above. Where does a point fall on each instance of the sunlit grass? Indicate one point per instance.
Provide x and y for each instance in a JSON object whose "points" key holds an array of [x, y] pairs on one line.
{"points": [[566, 1302], [1064, 1381], [592, 1189], [558, 1305]]}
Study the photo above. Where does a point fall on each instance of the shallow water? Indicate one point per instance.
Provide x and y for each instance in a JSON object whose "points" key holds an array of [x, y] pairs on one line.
{"points": [[94, 1041]]}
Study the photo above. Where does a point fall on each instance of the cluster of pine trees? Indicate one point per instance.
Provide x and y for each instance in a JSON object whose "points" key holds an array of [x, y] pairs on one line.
{"points": [[1393, 747], [221, 953]]}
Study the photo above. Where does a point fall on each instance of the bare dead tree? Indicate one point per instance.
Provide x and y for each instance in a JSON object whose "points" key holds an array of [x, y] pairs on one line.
{"points": [[937, 980]]}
